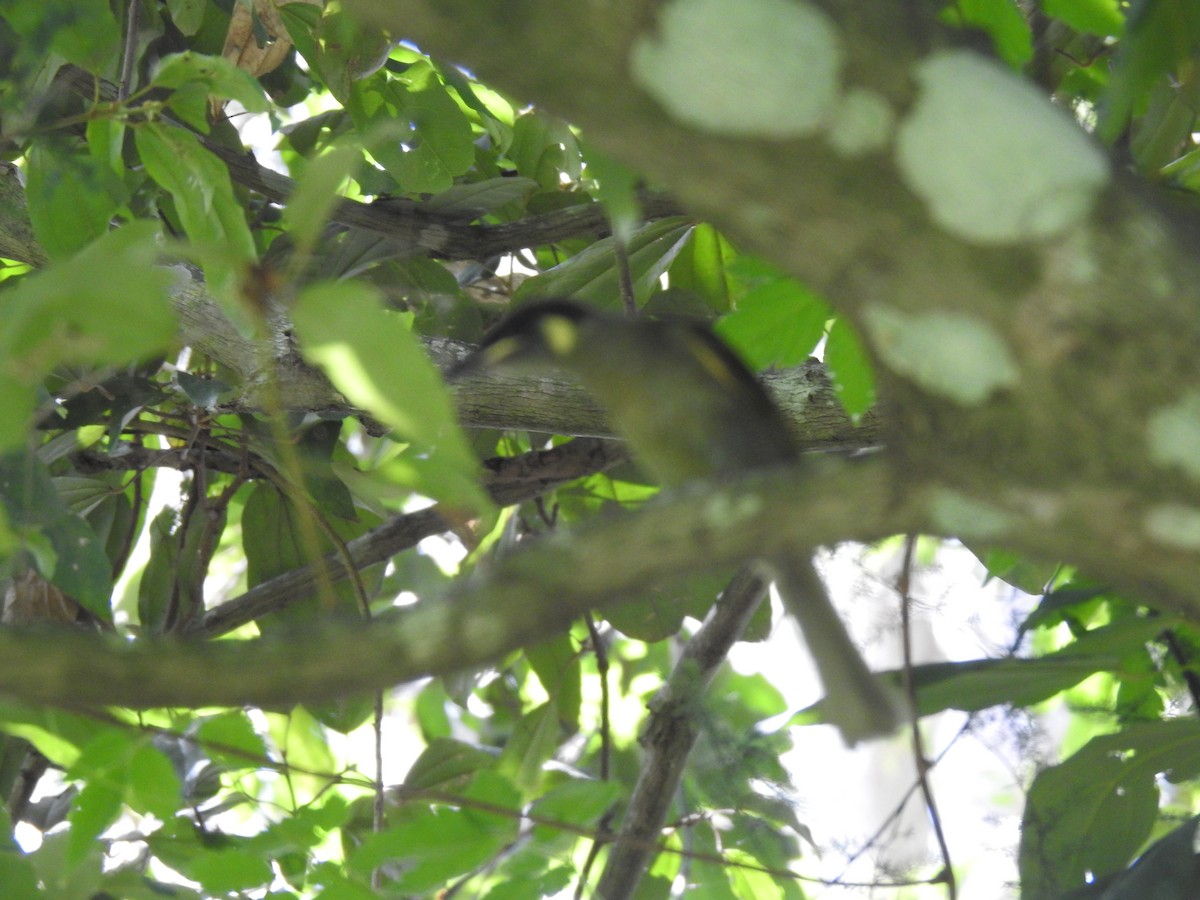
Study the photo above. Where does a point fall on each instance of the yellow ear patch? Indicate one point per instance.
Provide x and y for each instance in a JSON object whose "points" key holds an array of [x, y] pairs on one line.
{"points": [[713, 362], [560, 334]]}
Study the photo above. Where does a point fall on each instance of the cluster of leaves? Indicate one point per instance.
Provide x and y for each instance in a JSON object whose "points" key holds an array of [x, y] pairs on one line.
{"points": [[97, 403]]}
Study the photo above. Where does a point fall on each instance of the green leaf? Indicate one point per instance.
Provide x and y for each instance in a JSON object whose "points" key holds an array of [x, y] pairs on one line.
{"points": [[106, 305], [850, 369], [71, 197], [434, 845], [230, 738], [576, 802], [199, 184], [83, 32], [1160, 35], [437, 144], [220, 78], [382, 368], [94, 808], [1169, 870], [59, 736], [317, 192], [477, 198], [16, 871], [1086, 817], [1103, 18], [556, 663], [223, 870], [79, 567], [591, 275], [533, 744], [777, 323], [1003, 20], [446, 763], [544, 148], [700, 268]]}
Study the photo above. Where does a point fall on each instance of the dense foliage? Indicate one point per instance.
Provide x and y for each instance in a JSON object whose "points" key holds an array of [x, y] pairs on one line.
{"points": [[269, 628]]}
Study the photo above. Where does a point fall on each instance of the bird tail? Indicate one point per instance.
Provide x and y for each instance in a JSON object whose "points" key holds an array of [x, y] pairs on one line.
{"points": [[859, 704]]}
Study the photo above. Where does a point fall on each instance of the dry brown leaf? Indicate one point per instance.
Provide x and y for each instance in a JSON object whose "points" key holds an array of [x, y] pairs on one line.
{"points": [[241, 45]]}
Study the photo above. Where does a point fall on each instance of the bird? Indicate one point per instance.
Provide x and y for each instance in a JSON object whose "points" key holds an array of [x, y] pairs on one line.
{"points": [[690, 409]]}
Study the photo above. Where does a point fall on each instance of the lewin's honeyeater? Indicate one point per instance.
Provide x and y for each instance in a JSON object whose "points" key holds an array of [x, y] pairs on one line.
{"points": [[690, 409]]}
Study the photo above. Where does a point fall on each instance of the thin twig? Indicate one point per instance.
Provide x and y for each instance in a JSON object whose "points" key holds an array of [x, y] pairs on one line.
{"points": [[129, 50], [903, 587]]}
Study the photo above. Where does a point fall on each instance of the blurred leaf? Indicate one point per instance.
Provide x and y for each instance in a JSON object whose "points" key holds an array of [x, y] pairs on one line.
{"points": [[1086, 817], [532, 744], [1168, 870], [219, 77], [223, 870], [445, 764], [1104, 18], [1160, 34], [83, 32], [199, 184], [591, 275], [79, 566], [776, 323], [317, 192], [382, 368], [435, 144], [436, 844], [71, 197], [700, 268], [476, 198], [850, 369], [557, 665], [576, 802], [1004, 22]]}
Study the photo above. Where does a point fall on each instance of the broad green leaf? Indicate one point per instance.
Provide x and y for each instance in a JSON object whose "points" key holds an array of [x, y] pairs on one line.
{"points": [[58, 735], [71, 197], [438, 143], [544, 148], [106, 305], [223, 870], [276, 540], [445, 764], [591, 275], [1168, 870], [1158, 36], [616, 188], [436, 844], [80, 566], [850, 369], [556, 663], [532, 744], [186, 15], [430, 708], [700, 268], [199, 184], [83, 32], [382, 368], [220, 78], [317, 192], [477, 198], [1088, 816], [1104, 18], [777, 323], [94, 808], [575, 802], [230, 738], [16, 871], [1003, 20]]}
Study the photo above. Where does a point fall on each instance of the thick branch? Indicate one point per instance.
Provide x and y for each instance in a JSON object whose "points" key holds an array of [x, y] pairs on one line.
{"points": [[482, 619]]}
